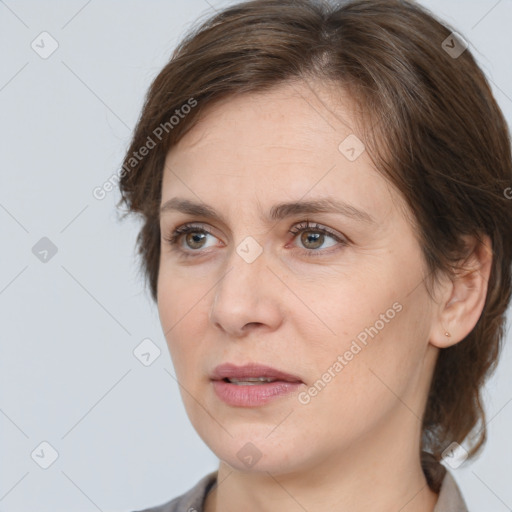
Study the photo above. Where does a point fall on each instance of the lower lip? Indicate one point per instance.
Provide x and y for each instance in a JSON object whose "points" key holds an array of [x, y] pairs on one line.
{"points": [[253, 395]]}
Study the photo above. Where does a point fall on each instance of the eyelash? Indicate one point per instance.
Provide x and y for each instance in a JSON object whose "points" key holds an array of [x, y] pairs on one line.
{"points": [[175, 236]]}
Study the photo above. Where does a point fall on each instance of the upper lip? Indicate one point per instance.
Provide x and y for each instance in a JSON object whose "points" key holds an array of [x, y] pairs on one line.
{"points": [[232, 371]]}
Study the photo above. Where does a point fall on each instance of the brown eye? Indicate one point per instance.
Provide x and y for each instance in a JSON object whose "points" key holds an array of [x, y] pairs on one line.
{"points": [[312, 239], [195, 239]]}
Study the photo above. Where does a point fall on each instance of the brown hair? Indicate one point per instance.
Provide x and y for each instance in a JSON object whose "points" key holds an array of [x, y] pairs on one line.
{"points": [[433, 129]]}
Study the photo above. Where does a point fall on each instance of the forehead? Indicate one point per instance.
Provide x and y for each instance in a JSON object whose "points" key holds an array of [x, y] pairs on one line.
{"points": [[295, 115], [290, 141]]}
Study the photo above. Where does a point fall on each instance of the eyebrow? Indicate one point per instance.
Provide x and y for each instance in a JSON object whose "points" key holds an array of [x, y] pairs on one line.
{"points": [[277, 212]]}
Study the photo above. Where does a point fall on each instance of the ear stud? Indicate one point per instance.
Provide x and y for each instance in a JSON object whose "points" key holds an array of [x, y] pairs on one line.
{"points": [[447, 334]]}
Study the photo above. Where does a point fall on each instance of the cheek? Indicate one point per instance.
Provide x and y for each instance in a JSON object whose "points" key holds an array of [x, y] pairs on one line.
{"points": [[180, 294], [374, 331], [373, 370], [180, 309], [355, 309]]}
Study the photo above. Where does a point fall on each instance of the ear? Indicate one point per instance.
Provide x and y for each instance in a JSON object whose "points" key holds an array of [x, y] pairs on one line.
{"points": [[463, 298]]}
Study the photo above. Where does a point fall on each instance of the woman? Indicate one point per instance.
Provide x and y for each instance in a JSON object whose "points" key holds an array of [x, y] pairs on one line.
{"points": [[328, 240]]}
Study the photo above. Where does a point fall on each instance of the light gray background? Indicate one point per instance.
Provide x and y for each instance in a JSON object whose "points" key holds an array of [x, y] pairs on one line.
{"points": [[70, 325]]}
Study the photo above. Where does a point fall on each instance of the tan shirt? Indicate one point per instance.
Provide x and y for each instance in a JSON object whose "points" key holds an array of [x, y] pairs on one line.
{"points": [[449, 500]]}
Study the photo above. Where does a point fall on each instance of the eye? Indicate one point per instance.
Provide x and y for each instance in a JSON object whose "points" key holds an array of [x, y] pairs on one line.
{"points": [[313, 237], [194, 237]]}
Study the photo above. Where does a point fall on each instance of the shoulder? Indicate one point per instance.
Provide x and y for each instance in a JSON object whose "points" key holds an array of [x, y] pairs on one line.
{"points": [[450, 498], [190, 501], [441, 481]]}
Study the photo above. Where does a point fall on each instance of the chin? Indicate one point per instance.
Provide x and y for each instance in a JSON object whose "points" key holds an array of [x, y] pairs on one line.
{"points": [[253, 450]]}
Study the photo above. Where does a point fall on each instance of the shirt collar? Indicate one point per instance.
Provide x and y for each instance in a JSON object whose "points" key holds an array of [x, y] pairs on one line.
{"points": [[438, 477]]}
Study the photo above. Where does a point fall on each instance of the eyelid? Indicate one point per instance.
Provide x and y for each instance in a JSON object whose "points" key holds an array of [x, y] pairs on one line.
{"points": [[315, 226], [296, 229], [183, 229]]}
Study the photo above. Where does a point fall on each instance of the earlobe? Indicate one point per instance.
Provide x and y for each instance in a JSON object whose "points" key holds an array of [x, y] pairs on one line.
{"points": [[466, 296]]}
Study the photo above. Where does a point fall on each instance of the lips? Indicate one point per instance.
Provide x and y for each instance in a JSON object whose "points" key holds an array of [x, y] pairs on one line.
{"points": [[229, 371], [253, 385]]}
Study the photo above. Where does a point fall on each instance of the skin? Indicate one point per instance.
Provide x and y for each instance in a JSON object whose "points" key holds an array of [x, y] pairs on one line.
{"points": [[355, 445]]}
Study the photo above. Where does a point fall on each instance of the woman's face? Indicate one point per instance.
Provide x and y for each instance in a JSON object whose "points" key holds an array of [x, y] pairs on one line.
{"points": [[346, 312]]}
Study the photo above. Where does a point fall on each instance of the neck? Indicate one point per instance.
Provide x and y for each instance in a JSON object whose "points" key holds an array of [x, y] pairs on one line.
{"points": [[375, 473]]}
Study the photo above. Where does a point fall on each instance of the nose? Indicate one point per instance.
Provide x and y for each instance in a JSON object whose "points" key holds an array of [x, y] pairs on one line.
{"points": [[246, 297]]}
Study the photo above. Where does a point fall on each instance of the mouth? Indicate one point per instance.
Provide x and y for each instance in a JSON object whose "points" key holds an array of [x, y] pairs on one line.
{"points": [[251, 374], [248, 381], [252, 385]]}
